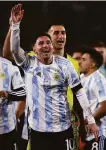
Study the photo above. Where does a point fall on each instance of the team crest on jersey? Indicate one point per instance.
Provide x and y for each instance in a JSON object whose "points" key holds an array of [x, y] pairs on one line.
{"points": [[39, 74], [2, 75], [56, 76]]}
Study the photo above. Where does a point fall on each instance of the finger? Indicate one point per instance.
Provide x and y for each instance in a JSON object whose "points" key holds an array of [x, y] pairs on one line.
{"points": [[19, 7], [12, 14], [96, 136], [88, 131], [22, 13]]}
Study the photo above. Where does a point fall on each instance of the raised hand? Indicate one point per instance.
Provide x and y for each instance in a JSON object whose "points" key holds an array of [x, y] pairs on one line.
{"points": [[17, 13]]}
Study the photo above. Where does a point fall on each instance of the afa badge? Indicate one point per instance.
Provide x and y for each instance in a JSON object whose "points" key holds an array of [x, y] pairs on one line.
{"points": [[2, 75], [56, 76]]}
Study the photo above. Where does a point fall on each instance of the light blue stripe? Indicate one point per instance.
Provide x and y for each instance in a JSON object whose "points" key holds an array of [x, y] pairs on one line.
{"points": [[101, 143], [35, 98], [5, 87], [6, 79], [5, 118]]}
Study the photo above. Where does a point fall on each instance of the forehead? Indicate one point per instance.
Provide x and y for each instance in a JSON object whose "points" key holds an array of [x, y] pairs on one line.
{"points": [[42, 38], [57, 28], [77, 54], [100, 49], [86, 56]]}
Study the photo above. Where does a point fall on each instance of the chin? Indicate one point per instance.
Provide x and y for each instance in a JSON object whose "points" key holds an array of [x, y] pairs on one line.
{"points": [[60, 47], [46, 57]]}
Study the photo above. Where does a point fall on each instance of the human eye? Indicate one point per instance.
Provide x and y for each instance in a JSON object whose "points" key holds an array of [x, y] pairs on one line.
{"points": [[56, 32], [48, 42], [40, 43], [63, 32]]}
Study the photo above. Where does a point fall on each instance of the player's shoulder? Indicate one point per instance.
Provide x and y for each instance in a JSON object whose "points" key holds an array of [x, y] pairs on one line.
{"points": [[61, 60], [31, 55], [4, 60]]}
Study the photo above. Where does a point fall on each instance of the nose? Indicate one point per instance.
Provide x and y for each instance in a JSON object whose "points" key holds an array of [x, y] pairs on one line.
{"points": [[45, 45], [60, 35], [80, 62]]}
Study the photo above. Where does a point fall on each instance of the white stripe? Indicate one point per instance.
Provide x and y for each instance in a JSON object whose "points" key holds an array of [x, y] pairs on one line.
{"points": [[42, 125], [18, 93]]}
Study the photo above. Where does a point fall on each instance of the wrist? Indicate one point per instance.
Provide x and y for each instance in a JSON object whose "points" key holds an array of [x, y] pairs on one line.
{"points": [[15, 26], [88, 116]]}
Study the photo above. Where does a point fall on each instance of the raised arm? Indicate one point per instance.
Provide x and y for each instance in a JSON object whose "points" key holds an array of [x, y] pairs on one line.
{"points": [[17, 51], [6, 47]]}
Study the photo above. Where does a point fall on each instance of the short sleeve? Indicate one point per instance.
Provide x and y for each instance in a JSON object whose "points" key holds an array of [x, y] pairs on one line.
{"points": [[100, 89], [17, 81]]}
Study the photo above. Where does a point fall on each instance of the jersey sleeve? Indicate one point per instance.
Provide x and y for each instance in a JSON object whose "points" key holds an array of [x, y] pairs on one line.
{"points": [[17, 80], [72, 76], [17, 92], [100, 89], [18, 53]]}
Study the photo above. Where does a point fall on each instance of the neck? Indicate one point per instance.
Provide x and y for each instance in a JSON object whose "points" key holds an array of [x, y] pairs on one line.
{"points": [[46, 61], [89, 72], [59, 52]]}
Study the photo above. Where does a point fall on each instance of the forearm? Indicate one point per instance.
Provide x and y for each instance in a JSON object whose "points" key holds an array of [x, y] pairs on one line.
{"points": [[20, 109], [82, 98], [17, 52], [100, 112], [6, 47]]}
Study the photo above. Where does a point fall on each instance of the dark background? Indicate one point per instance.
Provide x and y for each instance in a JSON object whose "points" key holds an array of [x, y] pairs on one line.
{"points": [[84, 21]]}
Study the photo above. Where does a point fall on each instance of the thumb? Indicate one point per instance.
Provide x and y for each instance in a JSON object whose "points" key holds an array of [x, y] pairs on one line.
{"points": [[88, 131]]}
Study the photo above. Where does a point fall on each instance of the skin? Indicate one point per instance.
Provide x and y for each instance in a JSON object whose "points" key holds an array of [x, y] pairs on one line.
{"points": [[3, 94], [16, 16], [44, 50], [20, 109], [78, 57], [58, 37], [87, 65]]}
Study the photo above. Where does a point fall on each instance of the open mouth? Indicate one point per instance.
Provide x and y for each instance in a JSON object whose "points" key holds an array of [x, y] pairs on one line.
{"points": [[45, 51], [60, 41]]}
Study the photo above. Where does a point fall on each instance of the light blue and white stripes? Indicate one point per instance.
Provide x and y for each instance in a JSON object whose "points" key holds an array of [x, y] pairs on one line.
{"points": [[46, 87], [9, 75], [95, 86]]}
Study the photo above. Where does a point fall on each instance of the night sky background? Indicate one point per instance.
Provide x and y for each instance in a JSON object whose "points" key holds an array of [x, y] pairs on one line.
{"points": [[84, 21]]}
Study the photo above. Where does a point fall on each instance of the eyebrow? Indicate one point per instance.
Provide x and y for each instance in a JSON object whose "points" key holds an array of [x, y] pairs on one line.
{"points": [[59, 30]]}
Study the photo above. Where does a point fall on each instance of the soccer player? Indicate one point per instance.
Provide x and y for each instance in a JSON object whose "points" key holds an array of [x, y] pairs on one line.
{"points": [[12, 89], [58, 37], [94, 83], [47, 79]]}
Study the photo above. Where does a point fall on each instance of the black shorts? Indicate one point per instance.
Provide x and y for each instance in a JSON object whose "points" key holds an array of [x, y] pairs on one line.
{"points": [[8, 141], [52, 141], [93, 145]]}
